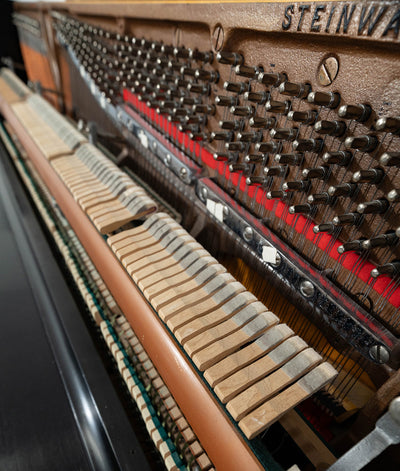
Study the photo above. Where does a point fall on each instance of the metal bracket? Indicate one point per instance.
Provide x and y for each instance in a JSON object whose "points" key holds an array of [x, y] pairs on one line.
{"points": [[353, 324]]}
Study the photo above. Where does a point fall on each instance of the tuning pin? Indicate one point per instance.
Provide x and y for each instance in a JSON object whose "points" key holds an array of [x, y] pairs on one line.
{"points": [[276, 194], [328, 99], [231, 58], [231, 125], [205, 109], [181, 112], [354, 246], [362, 143], [308, 145], [256, 97], [332, 128], [225, 157], [251, 181], [236, 87], [199, 88], [262, 123], [275, 171], [184, 70], [222, 100], [289, 159], [273, 106], [189, 100], [249, 136], [221, 136], [255, 158], [199, 136], [383, 240], [207, 75], [181, 52], [327, 227], [373, 175], [316, 172], [299, 90], [246, 71], [341, 158], [305, 117], [271, 78], [242, 110], [235, 146], [238, 168], [391, 269], [319, 198], [265, 147], [284, 134], [344, 189], [390, 159], [391, 125], [302, 185], [373, 207], [348, 219], [197, 55], [357, 112], [300, 208], [196, 119]]}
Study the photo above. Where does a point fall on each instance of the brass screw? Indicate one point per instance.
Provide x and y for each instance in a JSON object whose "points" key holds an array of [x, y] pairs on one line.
{"points": [[327, 71], [217, 39]]}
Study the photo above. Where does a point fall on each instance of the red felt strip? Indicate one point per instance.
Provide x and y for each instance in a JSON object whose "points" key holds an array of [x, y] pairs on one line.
{"points": [[298, 222]]}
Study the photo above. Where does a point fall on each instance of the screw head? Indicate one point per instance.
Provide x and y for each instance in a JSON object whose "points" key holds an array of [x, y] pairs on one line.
{"points": [[183, 173], [204, 194], [307, 288], [248, 234], [379, 353], [167, 160], [217, 39], [327, 71]]}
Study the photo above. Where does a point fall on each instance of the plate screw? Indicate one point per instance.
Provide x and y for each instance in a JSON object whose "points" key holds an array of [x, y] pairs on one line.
{"points": [[167, 160], [379, 353], [307, 288], [183, 173], [248, 234], [327, 71], [217, 39]]}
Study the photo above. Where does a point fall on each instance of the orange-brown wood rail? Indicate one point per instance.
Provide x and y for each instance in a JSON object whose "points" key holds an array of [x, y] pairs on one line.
{"points": [[223, 444]]}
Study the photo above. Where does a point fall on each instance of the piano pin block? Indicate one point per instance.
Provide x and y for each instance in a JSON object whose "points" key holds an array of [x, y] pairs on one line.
{"points": [[237, 321], [269, 412], [215, 311], [263, 390], [245, 377], [218, 350]]}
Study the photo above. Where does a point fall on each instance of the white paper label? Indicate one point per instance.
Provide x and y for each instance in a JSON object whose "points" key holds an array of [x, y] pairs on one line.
{"points": [[216, 209], [143, 139], [269, 254]]}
